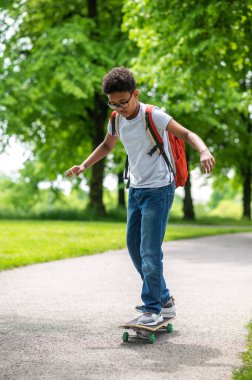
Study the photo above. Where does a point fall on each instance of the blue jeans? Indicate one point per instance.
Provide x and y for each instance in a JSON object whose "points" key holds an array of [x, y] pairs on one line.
{"points": [[148, 211]]}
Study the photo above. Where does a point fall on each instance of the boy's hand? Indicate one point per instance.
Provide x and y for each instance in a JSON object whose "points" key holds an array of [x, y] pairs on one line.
{"points": [[207, 161], [75, 170]]}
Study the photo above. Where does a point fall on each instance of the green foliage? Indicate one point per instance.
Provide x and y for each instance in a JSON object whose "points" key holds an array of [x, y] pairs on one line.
{"points": [[195, 59], [228, 209], [24, 198], [227, 189], [51, 72], [245, 372]]}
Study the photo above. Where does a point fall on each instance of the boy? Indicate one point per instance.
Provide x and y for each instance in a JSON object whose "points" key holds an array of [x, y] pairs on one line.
{"points": [[151, 189]]}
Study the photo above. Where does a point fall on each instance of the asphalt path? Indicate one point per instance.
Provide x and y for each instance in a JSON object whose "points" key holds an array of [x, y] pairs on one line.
{"points": [[59, 320]]}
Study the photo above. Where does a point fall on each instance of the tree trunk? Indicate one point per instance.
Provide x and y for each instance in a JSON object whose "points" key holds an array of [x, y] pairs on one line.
{"points": [[92, 9], [188, 203], [98, 115], [246, 169], [246, 200], [96, 182], [121, 193]]}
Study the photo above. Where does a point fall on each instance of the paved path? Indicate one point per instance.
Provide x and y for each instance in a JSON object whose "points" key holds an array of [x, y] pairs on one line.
{"points": [[59, 320]]}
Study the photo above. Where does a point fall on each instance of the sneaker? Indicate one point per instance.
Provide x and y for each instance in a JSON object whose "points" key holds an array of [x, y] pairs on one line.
{"points": [[150, 319], [168, 310]]}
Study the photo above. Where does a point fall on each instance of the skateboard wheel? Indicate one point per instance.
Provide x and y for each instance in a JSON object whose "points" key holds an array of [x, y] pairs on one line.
{"points": [[169, 328], [125, 336], [152, 338]]}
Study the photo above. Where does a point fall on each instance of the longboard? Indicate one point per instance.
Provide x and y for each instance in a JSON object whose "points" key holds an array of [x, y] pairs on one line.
{"points": [[145, 332]]}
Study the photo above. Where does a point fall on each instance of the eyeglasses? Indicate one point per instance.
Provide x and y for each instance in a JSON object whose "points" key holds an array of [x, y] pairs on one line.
{"points": [[123, 104]]}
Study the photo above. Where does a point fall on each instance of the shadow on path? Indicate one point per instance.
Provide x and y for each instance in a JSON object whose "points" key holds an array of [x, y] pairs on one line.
{"points": [[43, 347]]}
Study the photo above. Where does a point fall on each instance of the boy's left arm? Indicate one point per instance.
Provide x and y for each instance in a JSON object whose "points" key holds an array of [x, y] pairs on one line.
{"points": [[206, 159]]}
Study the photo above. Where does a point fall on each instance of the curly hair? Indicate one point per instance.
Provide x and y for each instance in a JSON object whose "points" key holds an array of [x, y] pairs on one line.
{"points": [[119, 79]]}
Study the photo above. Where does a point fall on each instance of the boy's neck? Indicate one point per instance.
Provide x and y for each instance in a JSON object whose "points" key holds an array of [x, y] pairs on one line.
{"points": [[135, 113]]}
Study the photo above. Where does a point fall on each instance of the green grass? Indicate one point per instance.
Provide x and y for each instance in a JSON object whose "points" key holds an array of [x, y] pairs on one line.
{"points": [[245, 372], [26, 242]]}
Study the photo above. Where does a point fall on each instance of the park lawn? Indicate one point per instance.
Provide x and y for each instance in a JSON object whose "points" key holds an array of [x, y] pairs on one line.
{"points": [[245, 372], [27, 242]]}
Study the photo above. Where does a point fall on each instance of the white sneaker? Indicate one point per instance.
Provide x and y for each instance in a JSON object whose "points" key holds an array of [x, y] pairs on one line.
{"points": [[150, 319], [168, 310]]}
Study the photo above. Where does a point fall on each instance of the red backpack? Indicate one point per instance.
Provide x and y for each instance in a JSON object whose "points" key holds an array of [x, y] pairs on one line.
{"points": [[176, 147]]}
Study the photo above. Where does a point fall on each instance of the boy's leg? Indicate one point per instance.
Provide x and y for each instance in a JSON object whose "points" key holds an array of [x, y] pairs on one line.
{"points": [[155, 205], [170, 196], [134, 231]]}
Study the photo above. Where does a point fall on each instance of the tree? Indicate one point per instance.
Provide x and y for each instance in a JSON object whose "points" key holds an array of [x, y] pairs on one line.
{"points": [[54, 57], [195, 59]]}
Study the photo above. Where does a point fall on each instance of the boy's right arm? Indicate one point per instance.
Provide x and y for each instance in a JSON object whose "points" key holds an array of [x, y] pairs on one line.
{"points": [[98, 154]]}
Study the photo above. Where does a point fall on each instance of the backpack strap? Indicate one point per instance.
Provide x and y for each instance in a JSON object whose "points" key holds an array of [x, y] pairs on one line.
{"points": [[171, 154], [156, 139], [114, 119], [152, 132], [126, 175]]}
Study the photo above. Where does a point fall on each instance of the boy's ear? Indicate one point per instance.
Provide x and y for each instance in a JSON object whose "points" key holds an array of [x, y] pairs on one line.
{"points": [[136, 93]]}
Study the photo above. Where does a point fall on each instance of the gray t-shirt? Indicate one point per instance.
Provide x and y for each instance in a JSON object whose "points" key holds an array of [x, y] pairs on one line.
{"points": [[145, 170]]}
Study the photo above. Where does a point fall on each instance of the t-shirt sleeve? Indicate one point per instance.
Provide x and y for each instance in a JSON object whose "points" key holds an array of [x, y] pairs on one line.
{"points": [[161, 119]]}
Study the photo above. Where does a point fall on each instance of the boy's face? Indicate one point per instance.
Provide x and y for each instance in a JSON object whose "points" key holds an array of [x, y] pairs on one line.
{"points": [[125, 103]]}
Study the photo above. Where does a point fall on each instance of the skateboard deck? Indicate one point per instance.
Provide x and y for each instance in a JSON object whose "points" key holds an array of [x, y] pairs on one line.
{"points": [[145, 331]]}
